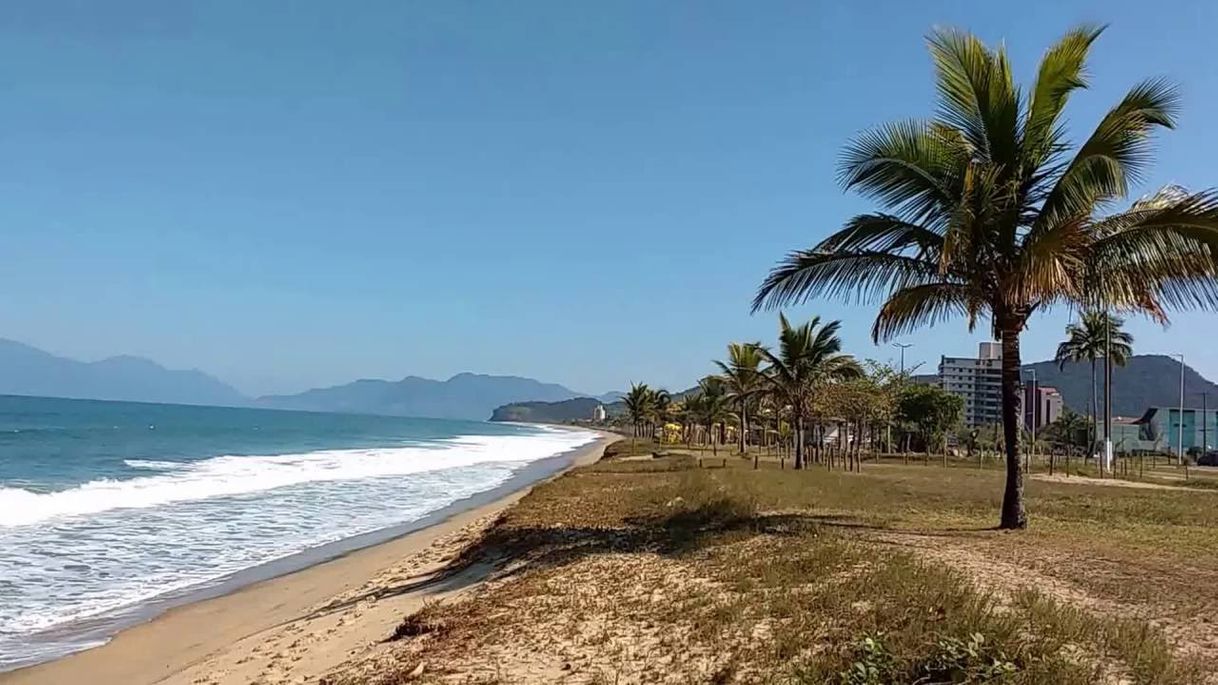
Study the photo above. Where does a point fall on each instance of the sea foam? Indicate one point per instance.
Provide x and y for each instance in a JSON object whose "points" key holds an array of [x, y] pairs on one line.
{"points": [[112, 544], [236, 475]]}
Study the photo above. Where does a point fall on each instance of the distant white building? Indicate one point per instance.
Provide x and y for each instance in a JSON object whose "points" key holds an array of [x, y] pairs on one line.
{"points": [[978, 381], [598, 414]]}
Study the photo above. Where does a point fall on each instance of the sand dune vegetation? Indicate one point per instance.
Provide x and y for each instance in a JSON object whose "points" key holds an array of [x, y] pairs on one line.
{"points": [[654, 570]]}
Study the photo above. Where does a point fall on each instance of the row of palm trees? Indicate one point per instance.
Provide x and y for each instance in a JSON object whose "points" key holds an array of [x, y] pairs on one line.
{"points": [[786, 386], [988, 212], [808, 379]]}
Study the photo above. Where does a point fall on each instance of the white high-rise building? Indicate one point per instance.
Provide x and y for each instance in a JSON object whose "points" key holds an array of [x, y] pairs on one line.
{"points": [[978, 381]]}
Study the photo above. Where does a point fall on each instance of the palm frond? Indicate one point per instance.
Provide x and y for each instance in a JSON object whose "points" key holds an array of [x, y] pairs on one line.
{"points": [[922, 305], [977, 94], [1051, 261], [1062, 71], [908, 166], [1114, 155], [863, 275], [883, 233], [1163, 255]]}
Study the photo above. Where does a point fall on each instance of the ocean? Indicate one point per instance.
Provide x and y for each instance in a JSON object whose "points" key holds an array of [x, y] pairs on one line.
{"points": [[106, 507]]}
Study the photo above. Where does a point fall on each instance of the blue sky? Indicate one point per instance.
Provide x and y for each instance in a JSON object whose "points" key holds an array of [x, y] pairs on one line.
{"points": [[297, 194]]}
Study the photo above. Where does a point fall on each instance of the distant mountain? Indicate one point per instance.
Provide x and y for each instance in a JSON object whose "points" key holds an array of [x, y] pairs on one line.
{"points": [[464, 396], [576, 409], [26, 370], [618, 406], [1149, 380]]}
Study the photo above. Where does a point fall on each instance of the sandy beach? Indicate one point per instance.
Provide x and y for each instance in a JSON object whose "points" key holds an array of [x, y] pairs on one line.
{"points": [[296, 627]]}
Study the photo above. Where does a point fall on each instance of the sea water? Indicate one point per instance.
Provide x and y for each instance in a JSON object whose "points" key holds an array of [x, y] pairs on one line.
{"points": [[105, 506]]}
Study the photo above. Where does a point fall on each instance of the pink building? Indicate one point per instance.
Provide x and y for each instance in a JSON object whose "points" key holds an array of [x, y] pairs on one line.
{"points": [[1041, 405]]}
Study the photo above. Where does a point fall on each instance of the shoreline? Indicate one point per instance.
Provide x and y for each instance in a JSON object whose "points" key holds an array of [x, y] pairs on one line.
{"points": [[167, 637]]}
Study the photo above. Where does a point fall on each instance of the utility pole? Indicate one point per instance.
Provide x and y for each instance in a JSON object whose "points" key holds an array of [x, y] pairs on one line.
{"points": [[1180, 426], [903, 346], [1035, 417], [1035, 412], [1107, 461], [1205, 423]]}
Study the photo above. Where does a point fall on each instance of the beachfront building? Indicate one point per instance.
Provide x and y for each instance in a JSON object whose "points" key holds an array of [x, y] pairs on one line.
{"points": [[978, 381], [598, 414], [1129, 437], [1162, 429], [1042, 405]]}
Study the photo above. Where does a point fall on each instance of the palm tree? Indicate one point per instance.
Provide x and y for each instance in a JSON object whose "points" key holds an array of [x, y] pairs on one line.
{"points": [[714, 406], [989, 212], [638, 404], [1070, 430], [808, 356], [691, 414], [1090, 340], [659, 402], [742, 374]]}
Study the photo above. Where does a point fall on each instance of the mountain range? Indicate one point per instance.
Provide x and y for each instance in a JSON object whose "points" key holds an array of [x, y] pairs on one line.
{"points": [[464, 396], [1148, 380], [26, 370]]}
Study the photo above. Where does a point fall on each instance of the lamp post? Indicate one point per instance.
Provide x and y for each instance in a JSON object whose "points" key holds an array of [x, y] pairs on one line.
{"points": [[1107, 461], [1032, 422], [1205, 423], [903, 347], [1180, 425]]}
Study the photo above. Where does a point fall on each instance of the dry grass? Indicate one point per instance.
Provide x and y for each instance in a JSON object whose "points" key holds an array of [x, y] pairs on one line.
{"points": [[657, 571]]}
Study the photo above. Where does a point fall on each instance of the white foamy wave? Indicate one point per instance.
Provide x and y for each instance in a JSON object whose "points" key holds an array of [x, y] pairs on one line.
{"points": [[239, 475], [153, 464]]}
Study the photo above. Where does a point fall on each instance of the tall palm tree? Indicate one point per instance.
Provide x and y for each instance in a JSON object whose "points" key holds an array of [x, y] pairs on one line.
{"points": [[1071, 430], [691, 413], [989, 212], [742, 374], [638, 404], [1088, 340], [714, 405], [659, 402], [808, 357]]}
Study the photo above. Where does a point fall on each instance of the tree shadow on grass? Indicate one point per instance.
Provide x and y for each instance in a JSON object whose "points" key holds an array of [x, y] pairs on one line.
{"points": [[508, 550]]}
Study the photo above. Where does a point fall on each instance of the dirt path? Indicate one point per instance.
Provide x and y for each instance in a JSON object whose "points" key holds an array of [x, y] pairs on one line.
{"points": [[1004, 577], [1113, 482]]}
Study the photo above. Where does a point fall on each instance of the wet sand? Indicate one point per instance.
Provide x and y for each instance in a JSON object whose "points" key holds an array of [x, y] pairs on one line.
{"points": [[296, 627]]}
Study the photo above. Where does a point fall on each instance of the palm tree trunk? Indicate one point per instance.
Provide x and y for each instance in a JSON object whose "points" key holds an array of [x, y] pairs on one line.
{"points": [[799, 441], [744, 426], [1013, 514], [1095, 412]]}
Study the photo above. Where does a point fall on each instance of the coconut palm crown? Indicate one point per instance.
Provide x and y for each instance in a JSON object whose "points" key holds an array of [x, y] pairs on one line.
{"points": [[742, 373], [1097, 335], [990, 212], [808, 357]]}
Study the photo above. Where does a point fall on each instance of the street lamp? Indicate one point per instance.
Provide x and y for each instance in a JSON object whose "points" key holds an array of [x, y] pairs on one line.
{"points": [[1035, 414], [1180, 425], [903, 346]]}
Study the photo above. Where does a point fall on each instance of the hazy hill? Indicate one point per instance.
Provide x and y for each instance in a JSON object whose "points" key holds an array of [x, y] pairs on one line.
{"points": [[26, 370], [579, 408], [464, 396], [1149, 380]]}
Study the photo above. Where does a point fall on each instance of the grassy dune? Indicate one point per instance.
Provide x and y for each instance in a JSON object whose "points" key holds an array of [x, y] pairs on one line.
{"points": [[655, 570]]}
